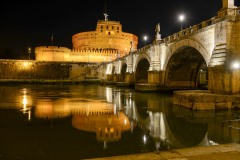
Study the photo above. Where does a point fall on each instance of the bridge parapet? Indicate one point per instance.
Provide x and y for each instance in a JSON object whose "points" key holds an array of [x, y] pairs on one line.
{"points": [[141, 50], [192, 29], [188, 31]]}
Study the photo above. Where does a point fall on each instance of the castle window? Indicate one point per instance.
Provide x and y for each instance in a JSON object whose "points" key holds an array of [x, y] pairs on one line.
{"points": [[109, 33], [107, 27], [101, 30], [117, 28], [112, 27], [101, 27]]}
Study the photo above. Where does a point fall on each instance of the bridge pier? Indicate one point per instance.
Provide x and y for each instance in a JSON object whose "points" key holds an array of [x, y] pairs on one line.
{"points": [[128, 81], [223, 81], [129, 77], [116, 77], [156, 77], [109, 77]]}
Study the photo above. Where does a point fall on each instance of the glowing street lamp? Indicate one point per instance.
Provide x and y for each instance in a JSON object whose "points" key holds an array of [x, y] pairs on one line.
{"points": [[181, 19], [145, 39], [236, 65], [29, 52]]}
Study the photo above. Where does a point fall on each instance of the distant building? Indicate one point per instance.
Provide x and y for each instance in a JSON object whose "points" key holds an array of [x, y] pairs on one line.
{"points": [[103, 45]]}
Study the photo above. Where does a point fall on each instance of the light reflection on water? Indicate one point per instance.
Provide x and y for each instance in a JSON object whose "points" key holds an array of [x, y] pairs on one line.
{"points": [[74, 122]]}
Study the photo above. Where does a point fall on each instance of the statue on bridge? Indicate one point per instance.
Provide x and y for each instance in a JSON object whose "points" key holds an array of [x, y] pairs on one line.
{"points": [[158, 28], [132, 46], [158, 35]]}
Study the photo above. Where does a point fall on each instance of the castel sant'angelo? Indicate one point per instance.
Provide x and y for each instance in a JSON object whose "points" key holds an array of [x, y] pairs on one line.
{"points": [[105, 44]]}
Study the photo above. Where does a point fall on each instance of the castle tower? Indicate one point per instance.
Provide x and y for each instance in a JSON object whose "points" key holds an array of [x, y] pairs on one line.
{"points": [[107, 36], [107, 43]]}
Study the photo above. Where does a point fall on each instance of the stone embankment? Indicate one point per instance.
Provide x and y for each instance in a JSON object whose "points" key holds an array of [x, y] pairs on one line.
{"points": [[205, 100], [219, 152]]}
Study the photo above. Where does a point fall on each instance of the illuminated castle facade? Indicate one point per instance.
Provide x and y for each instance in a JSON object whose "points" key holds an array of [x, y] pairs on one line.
{"points": [[103, 45]]}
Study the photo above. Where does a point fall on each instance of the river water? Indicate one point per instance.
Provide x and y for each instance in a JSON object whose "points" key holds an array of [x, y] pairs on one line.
{"points": [[72, 122]]}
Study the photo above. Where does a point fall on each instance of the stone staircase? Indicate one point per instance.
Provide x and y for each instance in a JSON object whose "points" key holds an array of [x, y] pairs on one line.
{"points": [[219, 55], [88, 74], [91, 75]]}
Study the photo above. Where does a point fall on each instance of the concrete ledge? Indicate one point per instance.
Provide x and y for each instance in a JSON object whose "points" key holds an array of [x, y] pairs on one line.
{"points": [[45, 81], [124, 84], [91, 81], [108, 83], [219, 152], [204, 100], [145, 87], [35, 81]]}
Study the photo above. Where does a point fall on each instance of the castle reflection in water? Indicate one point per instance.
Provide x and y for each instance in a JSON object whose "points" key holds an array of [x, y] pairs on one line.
{"points": [[109, 112]]}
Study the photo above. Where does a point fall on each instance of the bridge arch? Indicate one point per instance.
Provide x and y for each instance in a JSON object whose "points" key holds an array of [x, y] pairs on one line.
{"points": [[113, 70], [187, 43], [141, 68], [186, 65]]}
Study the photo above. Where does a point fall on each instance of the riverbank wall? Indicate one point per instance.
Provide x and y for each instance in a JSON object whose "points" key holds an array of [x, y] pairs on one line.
{"points": [[31, 71]]}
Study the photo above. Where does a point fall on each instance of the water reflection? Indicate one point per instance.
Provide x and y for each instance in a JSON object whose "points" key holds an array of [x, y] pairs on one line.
{"points": [[107, 126], [26, 104], [141, 121], [231, 130]]}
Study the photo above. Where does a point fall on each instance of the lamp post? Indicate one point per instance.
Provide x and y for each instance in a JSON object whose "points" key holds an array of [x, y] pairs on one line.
{"points": [[181, 19], [145, 39], [29, 52]]}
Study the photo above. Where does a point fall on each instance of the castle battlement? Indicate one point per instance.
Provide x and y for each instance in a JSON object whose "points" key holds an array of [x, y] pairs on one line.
{"points": [[52, 47], [94, 51], [104, 44]]}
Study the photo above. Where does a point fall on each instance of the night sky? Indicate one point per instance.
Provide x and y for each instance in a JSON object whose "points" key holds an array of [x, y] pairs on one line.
{"points": [[32, 23]]}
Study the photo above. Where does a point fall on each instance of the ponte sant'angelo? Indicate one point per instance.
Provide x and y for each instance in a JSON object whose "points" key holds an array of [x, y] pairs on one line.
{"points": [[104, 96], [203, 56]]}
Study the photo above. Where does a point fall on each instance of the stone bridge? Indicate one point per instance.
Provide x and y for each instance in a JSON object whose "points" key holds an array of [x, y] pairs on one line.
{"points": [[204, 55]]}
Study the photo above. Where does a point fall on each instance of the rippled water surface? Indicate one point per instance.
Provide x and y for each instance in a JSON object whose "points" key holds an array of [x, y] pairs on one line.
{"points": [[71, 122]]}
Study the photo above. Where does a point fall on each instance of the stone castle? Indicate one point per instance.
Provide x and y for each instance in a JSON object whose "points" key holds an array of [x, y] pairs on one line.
{"points": [[105, 44]]}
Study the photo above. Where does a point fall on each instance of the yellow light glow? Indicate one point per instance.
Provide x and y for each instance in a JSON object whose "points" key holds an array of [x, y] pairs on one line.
{"points": [[24, 101], [106, 130], [25, 64], [144, 139], [181, 17], [111, 130], [29, 115], [236, 65], [145, 38]]}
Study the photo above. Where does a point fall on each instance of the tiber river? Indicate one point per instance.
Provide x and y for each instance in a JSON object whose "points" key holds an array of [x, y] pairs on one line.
{"points": [[72, 122]]}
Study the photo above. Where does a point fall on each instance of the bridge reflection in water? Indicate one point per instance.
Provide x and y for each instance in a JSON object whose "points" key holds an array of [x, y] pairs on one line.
{"points": [[98, 118]]}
